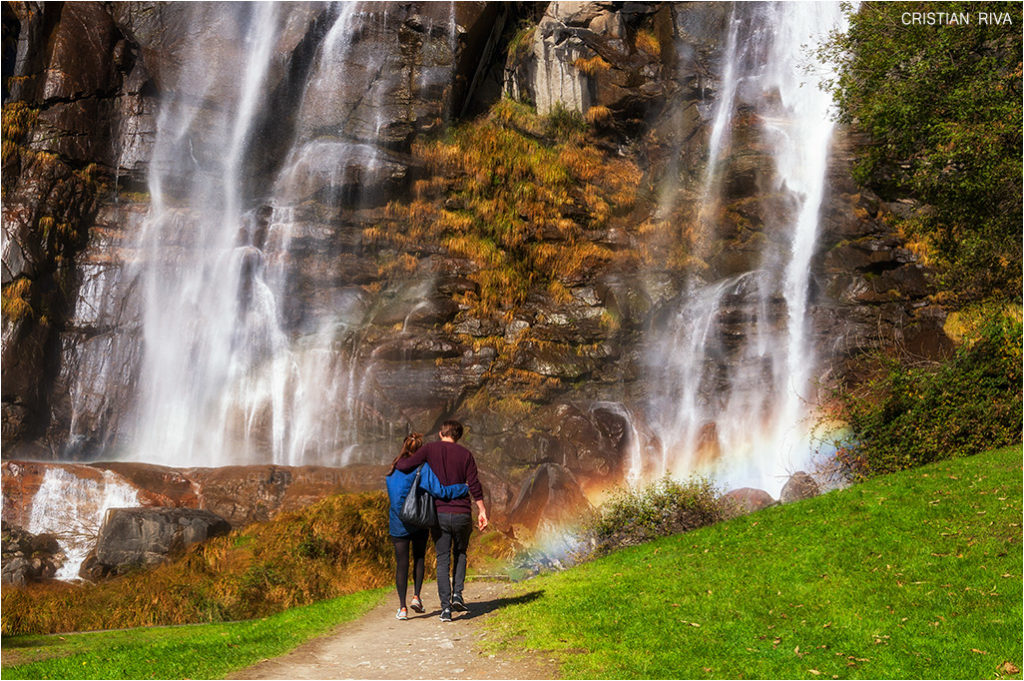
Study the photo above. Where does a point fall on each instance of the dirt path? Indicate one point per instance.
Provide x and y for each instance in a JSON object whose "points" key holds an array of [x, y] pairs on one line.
{"points": [[378, 646]]}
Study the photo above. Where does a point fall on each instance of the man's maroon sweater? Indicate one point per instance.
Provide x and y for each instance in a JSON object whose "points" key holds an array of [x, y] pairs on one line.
{"points": [[452, 463]]}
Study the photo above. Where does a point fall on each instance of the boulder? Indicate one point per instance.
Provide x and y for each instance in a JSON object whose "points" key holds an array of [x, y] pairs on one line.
{"points": [[745, 500], [799, 486], [142, 537], [28, 557]]}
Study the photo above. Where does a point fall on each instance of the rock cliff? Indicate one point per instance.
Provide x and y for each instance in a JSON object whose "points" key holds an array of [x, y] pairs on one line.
{"points": [[531, 333]]}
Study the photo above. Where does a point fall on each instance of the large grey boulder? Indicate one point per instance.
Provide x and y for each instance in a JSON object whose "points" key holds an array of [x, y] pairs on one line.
{"points": [[141, 537]]}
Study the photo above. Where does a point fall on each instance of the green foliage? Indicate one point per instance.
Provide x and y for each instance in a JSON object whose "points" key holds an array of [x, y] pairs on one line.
{"points": [[206, 651], [912, 416], [634, 516], [564, 125], [913, 575], [942, 105], [521, 43]]}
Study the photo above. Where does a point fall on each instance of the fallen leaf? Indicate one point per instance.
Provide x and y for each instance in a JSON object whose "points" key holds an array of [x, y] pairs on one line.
{"points": [[980, 652], [814, 671], [1009, 668]]}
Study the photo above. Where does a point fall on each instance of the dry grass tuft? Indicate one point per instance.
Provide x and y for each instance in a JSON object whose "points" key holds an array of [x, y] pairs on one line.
{"points": [[648, 42], [598, 115], [592, 66], [16, 300]]}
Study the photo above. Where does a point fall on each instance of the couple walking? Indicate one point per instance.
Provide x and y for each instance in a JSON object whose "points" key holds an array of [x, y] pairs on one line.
{"points": [[449, 474]]}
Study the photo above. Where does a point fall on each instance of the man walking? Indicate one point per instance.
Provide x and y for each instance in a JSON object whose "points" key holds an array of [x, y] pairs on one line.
{"points": [[452, 463]]}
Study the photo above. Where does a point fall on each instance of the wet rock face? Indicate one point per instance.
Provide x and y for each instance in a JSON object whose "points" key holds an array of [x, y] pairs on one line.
{"points": [[74, 119], [79, 131], [143, 537]]}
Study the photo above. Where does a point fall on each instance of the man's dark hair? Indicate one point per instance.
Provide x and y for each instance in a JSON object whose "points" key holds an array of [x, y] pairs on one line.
{"points": [[452, 429]]}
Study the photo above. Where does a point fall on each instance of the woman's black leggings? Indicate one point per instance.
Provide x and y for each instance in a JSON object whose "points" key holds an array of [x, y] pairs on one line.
{"points": [[418, 543]]}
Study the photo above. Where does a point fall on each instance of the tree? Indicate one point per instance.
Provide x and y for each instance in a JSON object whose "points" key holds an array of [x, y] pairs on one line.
{"points": [[941, 104]]}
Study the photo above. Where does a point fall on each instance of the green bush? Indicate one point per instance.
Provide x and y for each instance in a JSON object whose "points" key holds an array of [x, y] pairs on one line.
{"points": [[634, 516], [912, 416]]}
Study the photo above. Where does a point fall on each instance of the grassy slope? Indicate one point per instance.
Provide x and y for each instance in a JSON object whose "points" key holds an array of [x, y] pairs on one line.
{"points": [[200, 651], [913, 575]]}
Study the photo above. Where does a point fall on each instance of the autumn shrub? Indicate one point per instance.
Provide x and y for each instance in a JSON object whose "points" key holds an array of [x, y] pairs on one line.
{"points": [[913, 415], [635, 516], [513, 192]]}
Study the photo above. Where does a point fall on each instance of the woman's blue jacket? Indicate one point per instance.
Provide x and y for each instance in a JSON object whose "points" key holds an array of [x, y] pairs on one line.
{"points": [[400, 483]]}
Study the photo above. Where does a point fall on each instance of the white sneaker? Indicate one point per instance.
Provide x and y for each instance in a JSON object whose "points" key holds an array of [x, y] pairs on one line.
{"points": [[402, 614]]}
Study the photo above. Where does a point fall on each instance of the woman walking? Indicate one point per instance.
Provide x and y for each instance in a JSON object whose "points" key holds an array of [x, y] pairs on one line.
{"points": [[406, 538]]}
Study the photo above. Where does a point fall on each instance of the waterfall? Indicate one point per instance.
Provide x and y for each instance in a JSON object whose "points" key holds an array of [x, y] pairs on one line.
{"points": [[241, 363], [731, 366], [200, 336]]}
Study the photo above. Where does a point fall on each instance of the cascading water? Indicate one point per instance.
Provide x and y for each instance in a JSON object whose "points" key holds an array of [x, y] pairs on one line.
{"points": [[731, 368], [200, 340], [235, 370]]}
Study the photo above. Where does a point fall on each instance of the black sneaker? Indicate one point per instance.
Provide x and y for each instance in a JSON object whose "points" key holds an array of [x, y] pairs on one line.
{"points": [[446, 615], [458, 605]]}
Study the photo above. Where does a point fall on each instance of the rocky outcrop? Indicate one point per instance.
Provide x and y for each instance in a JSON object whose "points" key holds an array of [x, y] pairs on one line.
{"points": [[131, 538], [594, 57], [28, 557], [873, 291]]}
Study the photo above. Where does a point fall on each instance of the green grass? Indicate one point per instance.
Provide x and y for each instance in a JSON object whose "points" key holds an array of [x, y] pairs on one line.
{"points": [[198, 651], [912, 575]]}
